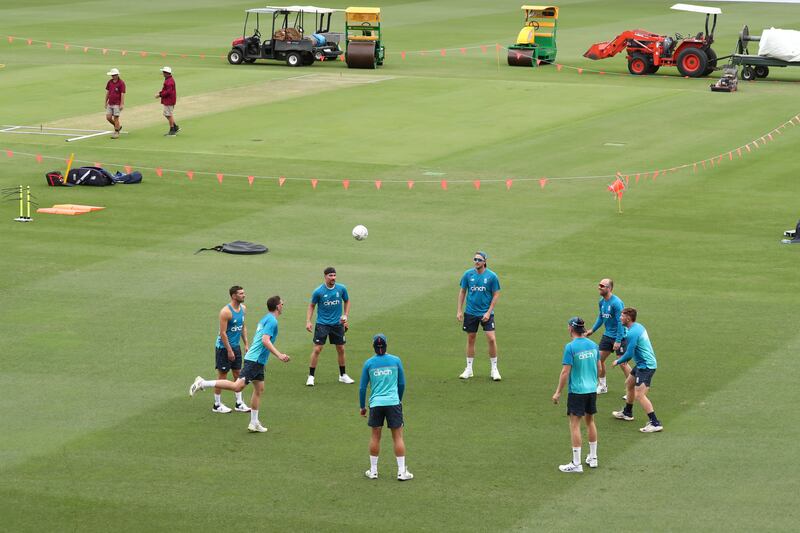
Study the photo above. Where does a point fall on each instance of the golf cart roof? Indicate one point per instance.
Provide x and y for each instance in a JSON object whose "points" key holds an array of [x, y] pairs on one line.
{"points": [[261, 10], [370, 10], [303, 9], [697, 9], [544, 11]]}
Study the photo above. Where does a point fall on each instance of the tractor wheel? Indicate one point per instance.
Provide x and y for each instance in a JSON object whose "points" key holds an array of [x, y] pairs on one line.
{"points": [[639, 64], [235, 57], [762, 71], [712, 61], [654, 69], [293, 59], [748, 74], [692, 62]]}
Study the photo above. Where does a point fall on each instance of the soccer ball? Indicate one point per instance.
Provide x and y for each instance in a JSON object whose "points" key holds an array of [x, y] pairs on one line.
{"points": [[360, 232]]}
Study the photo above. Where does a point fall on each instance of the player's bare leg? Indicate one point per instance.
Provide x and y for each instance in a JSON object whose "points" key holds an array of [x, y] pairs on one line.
{"points": [[602, 388], [400, 453], [467, 373], [491, 340]]}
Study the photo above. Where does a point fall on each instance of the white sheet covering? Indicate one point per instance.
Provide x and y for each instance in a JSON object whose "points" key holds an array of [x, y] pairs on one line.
{"points": [[780, 44]]}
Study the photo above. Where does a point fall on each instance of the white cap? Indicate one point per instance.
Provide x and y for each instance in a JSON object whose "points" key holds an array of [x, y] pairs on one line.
{"points": [[112, 72], [167, 70]]}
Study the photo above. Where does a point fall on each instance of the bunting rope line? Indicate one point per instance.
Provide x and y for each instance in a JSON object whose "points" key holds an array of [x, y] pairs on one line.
{"points": [[703, 164]]}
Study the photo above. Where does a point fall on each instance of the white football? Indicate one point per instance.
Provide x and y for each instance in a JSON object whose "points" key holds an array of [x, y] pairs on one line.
{"points": [[360, 232]]}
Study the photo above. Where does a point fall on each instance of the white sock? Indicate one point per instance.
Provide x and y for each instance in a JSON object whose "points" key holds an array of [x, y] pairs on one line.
{"points": [[207, 384], [373, 464], [602, 382], [217, 399], [576, 455], [493, 360], [238, 397], [469, 362], [593, 449], [401, 464], [254, 416]]}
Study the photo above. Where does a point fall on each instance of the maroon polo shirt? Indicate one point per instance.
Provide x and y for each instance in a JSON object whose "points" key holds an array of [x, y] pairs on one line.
{"points": [[115, 90], [168, 94]]}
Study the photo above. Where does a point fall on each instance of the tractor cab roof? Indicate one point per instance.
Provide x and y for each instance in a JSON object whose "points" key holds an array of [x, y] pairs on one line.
{"points": [[697, 9]]}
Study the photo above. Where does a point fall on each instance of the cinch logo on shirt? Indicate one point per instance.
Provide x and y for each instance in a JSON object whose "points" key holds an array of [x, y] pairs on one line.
{"points": [[237, 328], [382, 372], [332, 302], [585, 355], [478, 289]]}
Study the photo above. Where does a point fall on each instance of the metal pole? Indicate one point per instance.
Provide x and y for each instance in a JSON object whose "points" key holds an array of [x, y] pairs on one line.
{"points": [[29, 201]]}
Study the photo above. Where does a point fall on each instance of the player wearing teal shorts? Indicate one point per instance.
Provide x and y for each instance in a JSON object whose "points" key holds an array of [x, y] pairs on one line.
{"points": [[580, 365], [254, 362]]}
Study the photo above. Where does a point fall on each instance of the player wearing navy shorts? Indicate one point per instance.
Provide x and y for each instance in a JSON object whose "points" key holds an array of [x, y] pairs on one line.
{"points": [[227, 351], [480, 287], [255, 360], [640, 349], [384, 375], [333, 307], [580, 365], [610, 308]]}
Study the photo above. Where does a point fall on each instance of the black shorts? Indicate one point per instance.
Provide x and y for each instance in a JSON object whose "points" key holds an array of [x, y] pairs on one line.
{"points": [[393, 414], [582, 404], [642, 376], [323, 332], [607, 345], [253, 371], [471, 323], [224, 364]]}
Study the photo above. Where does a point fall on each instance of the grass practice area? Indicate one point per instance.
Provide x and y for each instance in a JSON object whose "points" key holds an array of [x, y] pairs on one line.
{"points": [[107, 317]]}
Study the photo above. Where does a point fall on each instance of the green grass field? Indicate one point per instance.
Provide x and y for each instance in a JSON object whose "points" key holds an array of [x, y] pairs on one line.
{"points": [[107, 317]]}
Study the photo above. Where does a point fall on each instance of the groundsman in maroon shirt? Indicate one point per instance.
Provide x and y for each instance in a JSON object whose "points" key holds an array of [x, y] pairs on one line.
{"points": [[115, 100], [169, 97]]}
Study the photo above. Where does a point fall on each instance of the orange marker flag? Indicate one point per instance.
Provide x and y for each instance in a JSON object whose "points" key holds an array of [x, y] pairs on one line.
{"points": [[444, 185], [220, 176], [346, 184], [509, 183], [542, 183], [378, 184], [250, 180], [314, 183], [190, 174], [617, 188], [159, 172], [410, 184], [477, 185], [281, 181]]}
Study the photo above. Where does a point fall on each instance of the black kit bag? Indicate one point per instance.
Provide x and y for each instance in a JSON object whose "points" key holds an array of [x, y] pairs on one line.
{"points": [[238, 248], [93, 176]]}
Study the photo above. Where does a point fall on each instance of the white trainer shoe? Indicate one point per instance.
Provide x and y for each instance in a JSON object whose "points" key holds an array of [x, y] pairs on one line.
{"points": [[310, 381], [650, 428], [571, 468], [221, 408], [403, 476], [256, 428], [591, 461], [242, 408], [196, 386], [620, 415], [602, 389], [344, 378], [466, 374], [371, 475], [496, 375]]}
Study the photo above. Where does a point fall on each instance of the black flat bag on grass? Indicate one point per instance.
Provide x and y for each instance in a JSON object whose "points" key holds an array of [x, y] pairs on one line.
{"points": [[239, 248]]}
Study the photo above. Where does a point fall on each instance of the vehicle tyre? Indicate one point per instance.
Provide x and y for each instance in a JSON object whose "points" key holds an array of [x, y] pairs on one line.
{"points": [[318, 56], [639, 64], [654, 69], [293, 59], [692, 62], [308, 59], [235, 57], [762, 71], [712, 61], [748, 74]]}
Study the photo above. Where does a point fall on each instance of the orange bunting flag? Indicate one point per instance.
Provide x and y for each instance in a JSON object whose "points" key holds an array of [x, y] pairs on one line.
{"points": [[128, 169], [66, 47], [410, 184], [49, 45], [704, 164], [602, 72], [159, 172], [538, 62], [483, 48], [314, 183], [9, 153], [423, 52], [463, 51], [769, 136], [163, 54], [250, 180], [477, 185], [190, 174], [124, 52], [38, 158], [30, 42], [444, 185], [220, 176], [755, 143], [497, 47], [618, 188], [580, 71], [281, 181], [183, 56], [85, 49], [202, 56], [542, 183], [627, 179], [443, 52], [739, 152], [655, 174], [637, 177], [712, 161], [143, 53], [509, 183], [403, 55], [748, 147], [378, 184], [96, 163], [10, 39], [105, 51], [559, 66], [346, 184], [694, 169]]}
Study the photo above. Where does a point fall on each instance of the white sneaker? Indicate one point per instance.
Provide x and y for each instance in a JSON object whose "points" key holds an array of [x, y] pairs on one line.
{"points": [[620, 415], [196, 386], [571, 468], [466, 374], [650, 428], [602, 389], [344, 378], [371, 475], [496, 375], [242, 408], [403, 476], [256, 428], [591, 461], [310, 381], [221, 408]]}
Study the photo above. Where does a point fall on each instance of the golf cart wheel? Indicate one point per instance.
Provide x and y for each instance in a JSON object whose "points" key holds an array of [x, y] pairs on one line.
{"points": [[748, 74], [712, 61], [639, 65], [308, 59], [692, 62], [293, 59], [235, 57], [761, 71], [318, 56]]}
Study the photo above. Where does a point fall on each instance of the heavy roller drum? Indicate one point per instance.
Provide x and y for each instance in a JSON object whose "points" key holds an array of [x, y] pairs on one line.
{"points": [[360, 55], [520, 57]]}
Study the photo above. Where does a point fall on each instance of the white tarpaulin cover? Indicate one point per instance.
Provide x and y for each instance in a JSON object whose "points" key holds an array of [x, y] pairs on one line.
{"points": [[780, 44]]}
